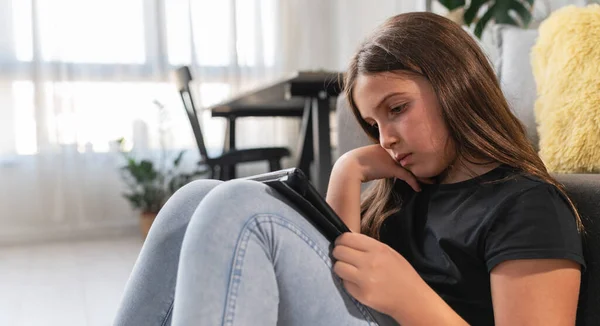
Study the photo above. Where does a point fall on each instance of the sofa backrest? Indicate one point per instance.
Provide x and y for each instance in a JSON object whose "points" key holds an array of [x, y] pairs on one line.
{"points": [[350, 135], [513, 68]]}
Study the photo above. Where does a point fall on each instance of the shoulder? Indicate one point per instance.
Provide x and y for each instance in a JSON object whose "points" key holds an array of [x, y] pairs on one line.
{"points": [[525, 197], [530, 187], [534, 220], [515, 188]]}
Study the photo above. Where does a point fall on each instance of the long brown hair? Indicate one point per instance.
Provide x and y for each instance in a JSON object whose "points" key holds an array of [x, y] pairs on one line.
{"points": [[473, 107]]}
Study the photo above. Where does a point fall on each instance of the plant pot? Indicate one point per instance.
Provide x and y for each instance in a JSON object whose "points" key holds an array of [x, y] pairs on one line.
{"points": [[146, 220]]}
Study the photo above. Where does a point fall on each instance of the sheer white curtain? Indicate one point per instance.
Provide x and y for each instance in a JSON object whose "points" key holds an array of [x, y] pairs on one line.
{"points": [[77, 74]]}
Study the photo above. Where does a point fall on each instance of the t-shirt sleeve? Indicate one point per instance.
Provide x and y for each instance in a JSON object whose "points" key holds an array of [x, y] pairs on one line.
{"points": [[537, 224]]}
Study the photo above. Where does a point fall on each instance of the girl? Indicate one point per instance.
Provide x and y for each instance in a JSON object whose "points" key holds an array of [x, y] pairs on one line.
{"points": [[463, 225]]}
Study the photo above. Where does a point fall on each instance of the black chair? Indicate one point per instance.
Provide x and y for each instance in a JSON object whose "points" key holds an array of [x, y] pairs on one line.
{"points": [[223, 166]]}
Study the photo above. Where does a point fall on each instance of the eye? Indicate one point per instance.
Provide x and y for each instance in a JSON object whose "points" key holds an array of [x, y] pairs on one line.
{"points": [[399, 108]]}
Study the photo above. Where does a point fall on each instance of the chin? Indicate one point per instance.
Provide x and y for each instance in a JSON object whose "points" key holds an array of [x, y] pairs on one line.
{"points": [[424, 171]]}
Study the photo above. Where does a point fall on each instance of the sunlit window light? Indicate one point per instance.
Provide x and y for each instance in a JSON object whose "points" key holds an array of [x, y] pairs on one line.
{"points": [[23, 99], [82, 31]]}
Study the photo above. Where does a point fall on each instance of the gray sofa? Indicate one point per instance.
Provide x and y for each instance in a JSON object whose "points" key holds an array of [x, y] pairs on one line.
{"points": [[514, 73]]}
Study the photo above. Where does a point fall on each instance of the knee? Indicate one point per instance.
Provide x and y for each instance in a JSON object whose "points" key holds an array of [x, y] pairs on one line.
{"points": [[183, 203], [232, 203], [198, 186], [231, 211], [239, 193], [192, 193]]}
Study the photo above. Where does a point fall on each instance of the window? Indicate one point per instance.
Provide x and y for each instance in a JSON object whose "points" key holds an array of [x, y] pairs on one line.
{"points": [[81, 31], [86, 72]]}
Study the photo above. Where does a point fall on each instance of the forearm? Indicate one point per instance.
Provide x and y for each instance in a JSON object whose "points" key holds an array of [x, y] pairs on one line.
{"points": [[343, 192], [426, 307]]}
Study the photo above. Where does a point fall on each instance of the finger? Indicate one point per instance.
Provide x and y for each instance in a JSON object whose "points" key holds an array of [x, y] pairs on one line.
{"points": [[348, 255], [356, 241], [352, 240], [353, 289], [346, 271], [408, 177]]}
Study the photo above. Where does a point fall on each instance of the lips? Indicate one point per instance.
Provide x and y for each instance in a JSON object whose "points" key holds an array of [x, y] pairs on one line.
{"points": [[399, 158]]}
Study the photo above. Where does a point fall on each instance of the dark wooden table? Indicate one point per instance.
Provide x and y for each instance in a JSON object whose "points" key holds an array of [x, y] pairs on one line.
{"points": [[303, 94]]}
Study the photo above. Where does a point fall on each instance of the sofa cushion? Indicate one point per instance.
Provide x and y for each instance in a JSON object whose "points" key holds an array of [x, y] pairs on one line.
{"points": [[566, 67], [513, 46], [350, 134]]}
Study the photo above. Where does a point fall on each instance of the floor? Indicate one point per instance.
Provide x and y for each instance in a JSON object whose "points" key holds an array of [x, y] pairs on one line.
{"points": [[77, 283]]}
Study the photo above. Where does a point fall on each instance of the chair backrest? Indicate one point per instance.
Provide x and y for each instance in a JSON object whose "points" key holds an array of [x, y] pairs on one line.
{"points": [[183, 77]]}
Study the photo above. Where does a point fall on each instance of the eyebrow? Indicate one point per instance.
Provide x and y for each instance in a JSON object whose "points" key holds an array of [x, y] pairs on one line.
{"points": [[385, 98]]}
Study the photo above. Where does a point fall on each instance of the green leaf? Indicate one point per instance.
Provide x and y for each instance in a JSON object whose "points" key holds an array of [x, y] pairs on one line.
{"points": [[452, 4], [136, 200], [524, 13], [149, 186], [146, 171], [146, 166], [472, 11], [484, 20], [178, 158], [505, 18], [499, 11]]}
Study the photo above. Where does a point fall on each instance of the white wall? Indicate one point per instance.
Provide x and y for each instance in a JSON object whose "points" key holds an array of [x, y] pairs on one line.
{"points": [[324, 34], [355, 19], [306, 34]]}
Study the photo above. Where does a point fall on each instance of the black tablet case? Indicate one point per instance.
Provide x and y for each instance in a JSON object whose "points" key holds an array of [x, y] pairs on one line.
{"points": [[295, 187]]}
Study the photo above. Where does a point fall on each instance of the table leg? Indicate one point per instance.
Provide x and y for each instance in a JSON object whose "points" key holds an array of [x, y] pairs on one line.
{"points": [[321, 142], [305, 142], [230, 145], [231, 128]]}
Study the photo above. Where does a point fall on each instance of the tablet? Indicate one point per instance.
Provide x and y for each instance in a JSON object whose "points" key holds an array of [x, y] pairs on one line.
{"points": [[294, 185]]}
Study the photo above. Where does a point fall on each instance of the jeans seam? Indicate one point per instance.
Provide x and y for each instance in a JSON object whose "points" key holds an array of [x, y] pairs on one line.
{"points": [[240, 251], [169, 311]]}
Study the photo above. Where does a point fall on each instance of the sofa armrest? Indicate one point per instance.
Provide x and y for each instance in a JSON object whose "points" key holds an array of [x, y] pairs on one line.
{"points": [[584, 191]]}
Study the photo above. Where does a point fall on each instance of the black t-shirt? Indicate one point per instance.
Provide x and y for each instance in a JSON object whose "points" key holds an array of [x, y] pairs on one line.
{"points": [[455, 234]]}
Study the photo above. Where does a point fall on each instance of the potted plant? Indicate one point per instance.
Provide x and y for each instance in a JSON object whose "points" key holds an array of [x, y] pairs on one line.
{"points": [[149, 187], [479, 13]]}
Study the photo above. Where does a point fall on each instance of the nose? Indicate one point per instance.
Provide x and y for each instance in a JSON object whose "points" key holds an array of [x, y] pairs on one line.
{"points": [[387, 136]]}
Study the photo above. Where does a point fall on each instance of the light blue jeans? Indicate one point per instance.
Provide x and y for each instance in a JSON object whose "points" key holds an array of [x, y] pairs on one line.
{"points": [[237, 253]]}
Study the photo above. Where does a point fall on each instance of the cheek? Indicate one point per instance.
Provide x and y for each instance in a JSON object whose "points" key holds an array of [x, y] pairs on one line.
{"points": [[436, 149], [442, 151], [439, 139], [429, 136]]}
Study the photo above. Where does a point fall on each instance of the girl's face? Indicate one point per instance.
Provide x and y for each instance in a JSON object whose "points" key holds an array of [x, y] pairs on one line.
{"points": [[407, 114]]}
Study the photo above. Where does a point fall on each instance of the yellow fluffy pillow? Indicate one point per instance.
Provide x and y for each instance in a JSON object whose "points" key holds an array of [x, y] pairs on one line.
{"points": [[566, 67]]}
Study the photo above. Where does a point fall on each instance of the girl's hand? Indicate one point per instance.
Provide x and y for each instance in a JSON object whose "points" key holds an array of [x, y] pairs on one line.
{"points": [[376, 275], [373, 162]]}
